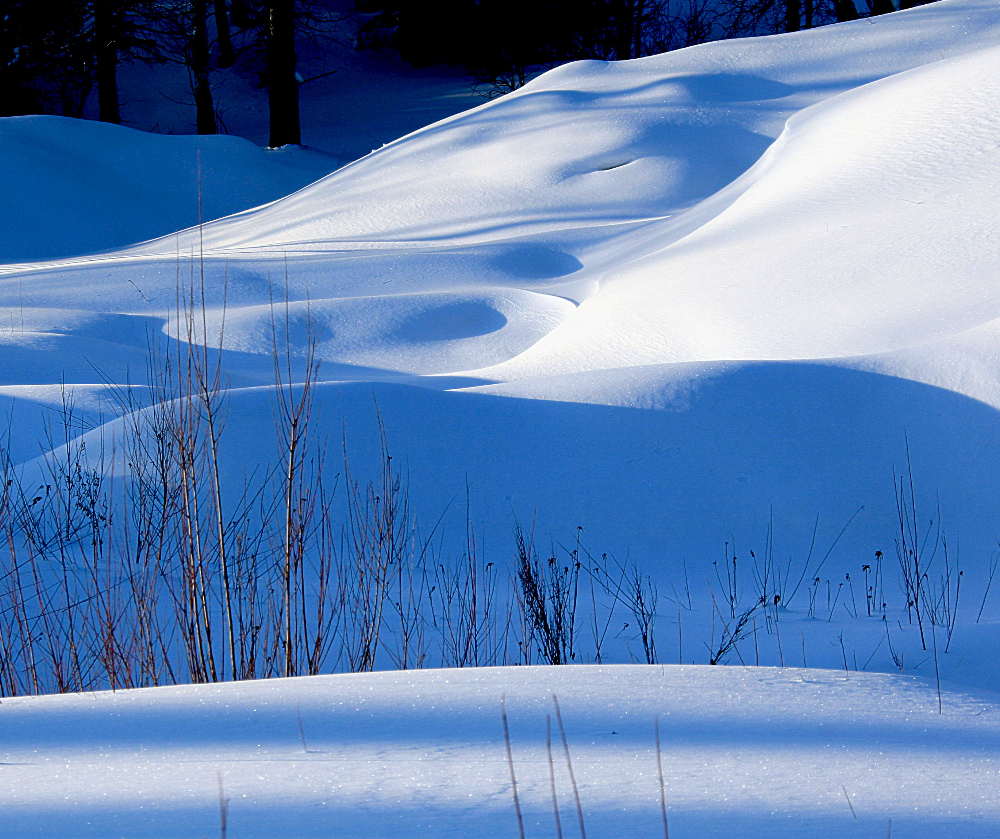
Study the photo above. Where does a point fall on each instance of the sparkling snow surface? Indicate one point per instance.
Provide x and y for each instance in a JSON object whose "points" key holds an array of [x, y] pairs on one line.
{"points": [[421, 753]]}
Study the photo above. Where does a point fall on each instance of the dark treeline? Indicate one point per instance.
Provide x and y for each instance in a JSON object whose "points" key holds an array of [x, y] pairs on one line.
{"points": [[60, 56], [501, 41]]}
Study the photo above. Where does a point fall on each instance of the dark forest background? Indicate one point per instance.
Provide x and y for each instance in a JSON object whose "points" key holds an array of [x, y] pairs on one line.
{"points": [[56, 56]]}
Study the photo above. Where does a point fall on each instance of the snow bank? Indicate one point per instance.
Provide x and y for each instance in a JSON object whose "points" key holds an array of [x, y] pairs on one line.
{"points": [[77, 186], [793, 753]]}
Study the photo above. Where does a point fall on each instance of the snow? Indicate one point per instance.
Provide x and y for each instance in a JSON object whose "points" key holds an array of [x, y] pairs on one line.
{"points": [[419, 753], [75, 186], [705, 302], [620, 234], [822, 240]]}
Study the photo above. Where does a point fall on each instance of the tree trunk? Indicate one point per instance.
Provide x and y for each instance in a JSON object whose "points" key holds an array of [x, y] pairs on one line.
{"points": [[845, 10], [240, 14], [283, 85], [199, 60], [881, 7], [793, 15], [227, 57], [638, 22], [623, 46], [106, 60]]}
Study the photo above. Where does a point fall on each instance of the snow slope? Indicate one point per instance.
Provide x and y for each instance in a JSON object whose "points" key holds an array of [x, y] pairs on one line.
{"points": [[864, 229], [681, 302], [75, 186], [816, 196]]}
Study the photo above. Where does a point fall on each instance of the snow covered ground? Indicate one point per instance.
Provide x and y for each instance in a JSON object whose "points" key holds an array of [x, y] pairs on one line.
{"points": [[77, 186], [697, 304], [789, 752]]}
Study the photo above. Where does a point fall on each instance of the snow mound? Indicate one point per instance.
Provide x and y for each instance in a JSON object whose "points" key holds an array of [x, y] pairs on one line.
{"points": [[791, 753], [867, 227], [596, 142], [78, 186]]}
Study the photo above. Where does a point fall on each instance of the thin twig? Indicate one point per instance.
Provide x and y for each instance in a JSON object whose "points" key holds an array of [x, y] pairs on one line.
{"points": [[223, 809], [510, 764], [302, 728], [552, 776], [569, 767], [937, 671], [849, 804], [663, 786]]}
